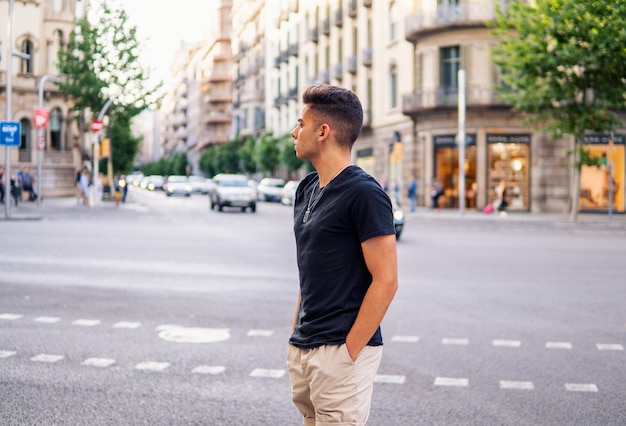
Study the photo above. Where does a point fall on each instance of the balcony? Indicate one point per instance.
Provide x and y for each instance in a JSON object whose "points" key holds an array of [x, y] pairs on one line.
{"points": [[367, 56], [284, 55], [367, 3], [339, 18], [449, 17], [294, 6], [477, 96], [220, 76], [352, 8], [314, 34], [293, 49], [352, 65], [326, 26], [216, 117], [293, 93], [218, 96], [338, 71]]}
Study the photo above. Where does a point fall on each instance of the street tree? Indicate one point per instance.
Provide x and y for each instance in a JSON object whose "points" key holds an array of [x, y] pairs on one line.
{"points": [[288, 155], [563, 64], [268, 153], [101, 62]]}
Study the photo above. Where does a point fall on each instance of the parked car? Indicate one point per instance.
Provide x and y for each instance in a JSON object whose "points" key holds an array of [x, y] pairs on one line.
{"points": [[269, 189], [231, 190], [199, 184], [152, 182], [177, 185], [398, 220], [288, 192]]}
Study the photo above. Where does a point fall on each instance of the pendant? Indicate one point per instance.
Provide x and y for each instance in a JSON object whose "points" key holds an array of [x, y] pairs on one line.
{"points": [[306, 216]]}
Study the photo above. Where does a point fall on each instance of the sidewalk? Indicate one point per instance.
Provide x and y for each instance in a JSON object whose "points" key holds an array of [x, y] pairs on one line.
{"points": [[522, 219], [52, 207]]}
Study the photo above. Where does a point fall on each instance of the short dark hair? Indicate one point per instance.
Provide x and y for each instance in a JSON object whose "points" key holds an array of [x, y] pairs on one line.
{"points": [[338, 107]]}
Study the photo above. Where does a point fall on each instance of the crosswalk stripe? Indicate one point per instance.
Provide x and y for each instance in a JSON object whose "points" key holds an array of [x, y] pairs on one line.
{"points": [[263, 372], [126, 324], [86, 322], [10, 317], [558, 345], [450, 381], [507, 343], [6, 354], [47, 358], [609, 347], [405, 339], [99, 362], [510, 384], [152, 366], [581, 387], [209, 369], [385, 378], [47, 320]]}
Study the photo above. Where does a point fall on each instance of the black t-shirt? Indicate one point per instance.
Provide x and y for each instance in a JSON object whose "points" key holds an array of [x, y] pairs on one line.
{"points": [[333, 275]]}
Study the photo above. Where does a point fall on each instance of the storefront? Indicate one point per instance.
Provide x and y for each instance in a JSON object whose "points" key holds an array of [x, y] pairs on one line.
{"points": [[595, 190], [508, 160], [447, 169]]}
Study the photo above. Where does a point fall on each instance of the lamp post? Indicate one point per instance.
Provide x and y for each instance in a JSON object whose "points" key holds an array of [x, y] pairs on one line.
{"points": [[40, 131]]}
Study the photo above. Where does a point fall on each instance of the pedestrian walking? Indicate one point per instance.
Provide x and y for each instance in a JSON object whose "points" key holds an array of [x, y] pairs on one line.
{"points": [[412, 193], [346, 254]]}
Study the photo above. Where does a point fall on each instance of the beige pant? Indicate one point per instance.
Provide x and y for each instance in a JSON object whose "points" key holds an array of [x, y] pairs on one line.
{"points": [[328, 388]]}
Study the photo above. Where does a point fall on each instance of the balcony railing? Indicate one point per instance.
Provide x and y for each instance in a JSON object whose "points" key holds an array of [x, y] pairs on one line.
{"points": [[339, 18], [476, 95], [352, 64], [326, 26], [314, 34], [367, 56], [217, 117], [367, 3], [467, 15], [352, 8], [338, 71], [293, 49]]}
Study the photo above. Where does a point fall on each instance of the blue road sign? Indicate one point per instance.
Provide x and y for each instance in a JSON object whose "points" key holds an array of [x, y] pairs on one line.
{"points": [[10, 133]]}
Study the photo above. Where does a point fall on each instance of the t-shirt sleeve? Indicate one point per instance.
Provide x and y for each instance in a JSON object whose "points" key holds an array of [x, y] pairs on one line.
{"points": [[371, 211]]}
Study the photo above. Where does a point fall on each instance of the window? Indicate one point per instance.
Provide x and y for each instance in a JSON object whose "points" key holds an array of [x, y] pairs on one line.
{"points": [[393, 86], [450, 65], [25, 142], [26, 65], [393, 21]]}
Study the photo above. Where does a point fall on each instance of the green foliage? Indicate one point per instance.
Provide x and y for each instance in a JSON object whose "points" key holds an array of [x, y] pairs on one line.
{"points": [[288, 155], [227, 157], [268, 153], [101, 62], [584, 158], [247, 154], [564, 62], [179, 164], [208, 161]]}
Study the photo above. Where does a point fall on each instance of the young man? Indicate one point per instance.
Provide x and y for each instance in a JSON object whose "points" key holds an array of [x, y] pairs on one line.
{"points": [[346, 253]]}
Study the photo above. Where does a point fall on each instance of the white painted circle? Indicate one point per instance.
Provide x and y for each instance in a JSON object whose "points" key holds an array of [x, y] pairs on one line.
{"points": [[194, 334]]}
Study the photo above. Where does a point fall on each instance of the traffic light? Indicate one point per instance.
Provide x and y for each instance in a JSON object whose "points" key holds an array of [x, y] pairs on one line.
{"points": [[603, 159], [105, 148]]}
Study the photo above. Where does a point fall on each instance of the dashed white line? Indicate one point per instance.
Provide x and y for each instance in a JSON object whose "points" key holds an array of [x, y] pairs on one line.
{"points": [[581, 387], [10, 317], [209, 369], [507, 343], [559, 345], [47, 320], [609, 347], [385, 378], [260, 333], [511, 384], [451, 381], [405, 339], [47, 358], [6, 354], [263, 372], [152, 366], [454, 341], [126, 324], [86, 322], [99, 362]]}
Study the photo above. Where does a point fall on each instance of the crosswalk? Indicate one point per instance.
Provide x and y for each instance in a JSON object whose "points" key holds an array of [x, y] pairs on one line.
{"points": [[177, 333]]}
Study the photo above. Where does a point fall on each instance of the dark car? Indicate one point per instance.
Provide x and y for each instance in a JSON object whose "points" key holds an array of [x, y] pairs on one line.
{"points": [[230, 190]]}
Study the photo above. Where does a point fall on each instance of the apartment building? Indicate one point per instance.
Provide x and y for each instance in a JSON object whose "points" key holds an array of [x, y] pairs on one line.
{"points": [[40, 30]]}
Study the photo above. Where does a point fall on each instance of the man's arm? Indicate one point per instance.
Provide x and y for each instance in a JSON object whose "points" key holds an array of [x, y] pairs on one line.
{"points": [[381, 260], [295, 318]]}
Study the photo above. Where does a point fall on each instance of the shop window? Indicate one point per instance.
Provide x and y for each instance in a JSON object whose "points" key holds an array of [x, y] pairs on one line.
{"points": [[447, 170], [509, 161], [594, 181]]}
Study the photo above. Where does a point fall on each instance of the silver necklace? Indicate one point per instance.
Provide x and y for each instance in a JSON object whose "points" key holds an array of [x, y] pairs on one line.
{"points": [[314, 200]]}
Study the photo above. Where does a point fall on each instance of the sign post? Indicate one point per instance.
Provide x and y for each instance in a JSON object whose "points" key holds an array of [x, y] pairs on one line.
{"points": [[96, 127]]}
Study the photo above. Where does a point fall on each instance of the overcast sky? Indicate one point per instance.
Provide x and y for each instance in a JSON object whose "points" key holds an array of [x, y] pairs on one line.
{"points": [[161, 27]]}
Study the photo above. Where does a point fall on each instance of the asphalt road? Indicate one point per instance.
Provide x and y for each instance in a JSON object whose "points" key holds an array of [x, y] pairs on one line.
{"points": [[161, 312]]}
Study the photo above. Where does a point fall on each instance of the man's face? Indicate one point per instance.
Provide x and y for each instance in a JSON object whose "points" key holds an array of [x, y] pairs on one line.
{"points": [[305, 135]]}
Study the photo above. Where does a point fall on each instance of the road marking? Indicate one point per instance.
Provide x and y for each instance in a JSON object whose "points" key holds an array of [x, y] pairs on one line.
{"points": [[6, 354], [152, 366], [47, 358], [609, 347], [179, 334], [263, 372], [384, 378], [86, 322], [209, 369], [126, 324], [405, 339], [559, 345], [47, 320], [99, 362], [260, 333], [10, 317], [450, 381], [454, 341], [507, 343], [581, 387], [510, 384]]}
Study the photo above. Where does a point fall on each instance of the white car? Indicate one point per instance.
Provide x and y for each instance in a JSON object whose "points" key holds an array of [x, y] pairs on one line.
{"points": [[230, 190], [199, 184], [289, 192], [177, 185], [270, 189]]}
